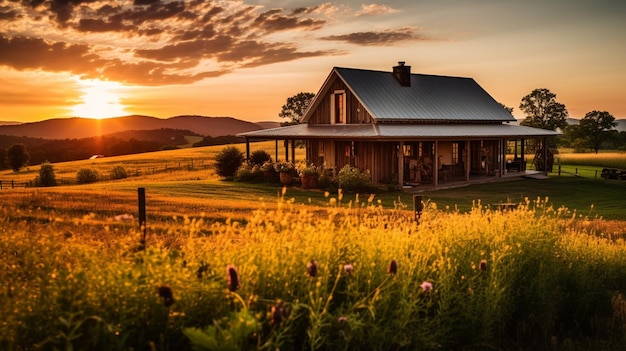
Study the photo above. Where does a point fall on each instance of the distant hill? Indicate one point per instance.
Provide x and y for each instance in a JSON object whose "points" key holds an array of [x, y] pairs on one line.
{"points": [[8, 123], [78, 128]]}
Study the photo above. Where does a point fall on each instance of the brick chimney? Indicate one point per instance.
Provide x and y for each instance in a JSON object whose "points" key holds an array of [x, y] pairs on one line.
{"points": [[403, 74]]}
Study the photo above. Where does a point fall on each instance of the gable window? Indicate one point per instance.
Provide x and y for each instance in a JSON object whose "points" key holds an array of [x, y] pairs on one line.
{"points": [[338, 107]]}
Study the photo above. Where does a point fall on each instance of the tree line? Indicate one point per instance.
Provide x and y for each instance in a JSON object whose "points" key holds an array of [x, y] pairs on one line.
{"points": [[595, 131]]}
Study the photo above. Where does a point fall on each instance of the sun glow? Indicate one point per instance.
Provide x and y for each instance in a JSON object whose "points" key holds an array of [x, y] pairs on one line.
{"points": [[99, 100]]}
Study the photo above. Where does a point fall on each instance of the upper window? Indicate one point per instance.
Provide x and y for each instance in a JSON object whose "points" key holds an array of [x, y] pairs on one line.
{"points": [[338, 107]]}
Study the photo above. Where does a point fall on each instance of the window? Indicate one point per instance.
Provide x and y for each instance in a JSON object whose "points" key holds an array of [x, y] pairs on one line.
{"points": [[455, 153], [338, 107]]}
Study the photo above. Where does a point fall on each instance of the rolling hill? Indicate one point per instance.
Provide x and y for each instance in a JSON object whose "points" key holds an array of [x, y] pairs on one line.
{"points": [[78, 128]]}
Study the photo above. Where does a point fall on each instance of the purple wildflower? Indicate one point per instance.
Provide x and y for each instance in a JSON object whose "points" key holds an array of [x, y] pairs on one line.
{"points": [[279, 312], [311, 268], [166, 293], [392, 268], [348, 268], [426, 286], [233, 277]]}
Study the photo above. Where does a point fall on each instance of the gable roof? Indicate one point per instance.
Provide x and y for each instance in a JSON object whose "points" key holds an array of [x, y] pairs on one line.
{"points": [[429, 98]]}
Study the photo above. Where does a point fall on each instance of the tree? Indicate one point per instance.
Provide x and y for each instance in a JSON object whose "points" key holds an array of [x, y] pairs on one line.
{"points": [[595, 128], [542, 110], [227, 161], [295, 107], [17, 156], [47, 176]]}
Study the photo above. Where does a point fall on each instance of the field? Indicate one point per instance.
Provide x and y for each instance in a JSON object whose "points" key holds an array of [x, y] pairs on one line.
{"points": [[229, 265]]}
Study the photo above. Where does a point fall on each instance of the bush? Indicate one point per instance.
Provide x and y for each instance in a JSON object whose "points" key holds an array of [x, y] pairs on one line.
{"points": [[228, 161], [249, 172], [354, 180], [86, 176], [46, 177], [118, 172], [259, 157]]}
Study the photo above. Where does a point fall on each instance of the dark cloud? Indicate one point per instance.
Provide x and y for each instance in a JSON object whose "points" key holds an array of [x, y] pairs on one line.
{"points": [[274, 20], [35, 53], [188, 50], [384, 38], [8, 14], [162, 41], [98, 25]]}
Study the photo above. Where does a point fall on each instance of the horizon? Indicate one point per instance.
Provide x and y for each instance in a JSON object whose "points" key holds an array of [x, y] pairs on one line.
{"points": [[244, 59]]}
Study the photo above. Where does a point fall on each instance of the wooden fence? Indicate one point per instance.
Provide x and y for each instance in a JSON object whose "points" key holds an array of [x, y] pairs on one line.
{"points": [[11, 184], [131, 171]]}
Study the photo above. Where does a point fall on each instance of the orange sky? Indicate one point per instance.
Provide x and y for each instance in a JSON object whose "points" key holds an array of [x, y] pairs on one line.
{"points": [[244, 58]]}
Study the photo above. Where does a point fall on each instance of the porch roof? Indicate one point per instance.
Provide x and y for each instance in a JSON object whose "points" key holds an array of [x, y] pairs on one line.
{"points": [[400, 131]]}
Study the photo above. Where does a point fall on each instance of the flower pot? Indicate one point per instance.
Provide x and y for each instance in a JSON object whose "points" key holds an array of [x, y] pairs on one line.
{"points": [[309, 181], [286, 178]]}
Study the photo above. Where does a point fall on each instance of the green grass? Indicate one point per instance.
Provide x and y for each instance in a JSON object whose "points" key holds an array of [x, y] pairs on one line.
{"points": [[592, 197]]}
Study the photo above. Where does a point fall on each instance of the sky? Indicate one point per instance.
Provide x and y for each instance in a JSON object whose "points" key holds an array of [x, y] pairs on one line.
{"points": [[243, 59]]}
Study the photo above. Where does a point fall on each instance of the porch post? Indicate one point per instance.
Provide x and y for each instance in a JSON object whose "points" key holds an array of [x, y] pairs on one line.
{"points": [[545, 154], [502, 157], [276, 150], [293, 151], [436, 164], [401, 165], [467, 160], [522, 153], [247, 148], [286, 150]]}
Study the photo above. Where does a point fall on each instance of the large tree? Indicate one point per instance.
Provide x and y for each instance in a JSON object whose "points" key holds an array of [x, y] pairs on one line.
{"points": [[17, 156], [543, 111], [295, 107], [595, 128]]}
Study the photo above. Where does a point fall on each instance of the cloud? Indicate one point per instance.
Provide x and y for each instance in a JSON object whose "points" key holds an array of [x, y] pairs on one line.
{"points": [[381, 38], [154, 42], [375, 9]]}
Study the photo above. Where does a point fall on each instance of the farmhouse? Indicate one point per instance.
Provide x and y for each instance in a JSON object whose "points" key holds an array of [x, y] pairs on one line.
{"points": [[409, 129]]}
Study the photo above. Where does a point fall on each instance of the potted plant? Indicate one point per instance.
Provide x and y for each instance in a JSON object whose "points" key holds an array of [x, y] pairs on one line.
{"points": [[287, 170], [309, 176], [269, 172]]}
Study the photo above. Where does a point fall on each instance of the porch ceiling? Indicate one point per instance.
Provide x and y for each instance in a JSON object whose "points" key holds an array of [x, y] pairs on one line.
{"points": [[399, 131]]}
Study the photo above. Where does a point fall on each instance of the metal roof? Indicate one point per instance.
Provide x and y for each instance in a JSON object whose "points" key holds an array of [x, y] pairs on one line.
{"points": [[429, 98], [397, 131]]}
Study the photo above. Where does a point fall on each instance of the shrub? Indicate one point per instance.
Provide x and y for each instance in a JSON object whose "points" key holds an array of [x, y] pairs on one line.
{"points": [[249, 172], [228, 161], [86, 176], [46, 177], [259, 157], [353, 179], [118, 172]]}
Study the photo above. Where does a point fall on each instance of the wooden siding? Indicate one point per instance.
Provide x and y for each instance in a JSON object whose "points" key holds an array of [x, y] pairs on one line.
{"points": [[355, 112]]}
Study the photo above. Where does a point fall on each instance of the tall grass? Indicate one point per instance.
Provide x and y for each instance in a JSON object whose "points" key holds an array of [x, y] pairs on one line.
{"points": [[605, 159], [521, 279]]}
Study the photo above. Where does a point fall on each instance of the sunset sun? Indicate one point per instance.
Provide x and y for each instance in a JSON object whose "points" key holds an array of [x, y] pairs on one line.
{"points": [[99, 100]]}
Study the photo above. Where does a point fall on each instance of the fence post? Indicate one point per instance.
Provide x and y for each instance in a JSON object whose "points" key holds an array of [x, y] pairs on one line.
{"points": [[141, 197], [417, 207], [559, 169]]}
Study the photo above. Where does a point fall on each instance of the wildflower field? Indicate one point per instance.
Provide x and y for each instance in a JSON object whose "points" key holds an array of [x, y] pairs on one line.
{"points": [[349, 275], [236, 266]]}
